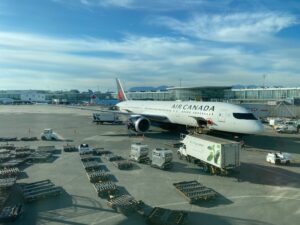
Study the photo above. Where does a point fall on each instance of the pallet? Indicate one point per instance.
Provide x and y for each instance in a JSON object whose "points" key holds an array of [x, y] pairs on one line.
{"points": [[97, 176], [39, 157], [11, 213], [28, 139], [6, 139], [101, 151], [88, 157], [125, 204], [39, 190], [70, 148], [8, 146], [112, 157], [123, 164], [104, 189], [10, 172], [159, 216], [11, 163], [7, 182], [194, 191], [91, 165]]}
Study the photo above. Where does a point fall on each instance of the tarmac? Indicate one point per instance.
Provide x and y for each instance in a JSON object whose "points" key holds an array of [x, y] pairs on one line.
{"points": [[260, 194]]}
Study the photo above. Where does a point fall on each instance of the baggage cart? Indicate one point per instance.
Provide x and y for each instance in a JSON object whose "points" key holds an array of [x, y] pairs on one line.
{"points": [[194, 191]]}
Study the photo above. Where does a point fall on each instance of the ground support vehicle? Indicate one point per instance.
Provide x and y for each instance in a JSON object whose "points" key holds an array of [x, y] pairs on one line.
{"points": [[106, 117], [39, 190], [69, 148], [9, 172], [278, 158], [139, 153], [91, 165], [112, 157], [29, 139], [49, 135], [162, 158], [98, 176], [11, 213], [7, 182], [194, 191], [101, 151], [123, 164], [105, 189], [85, 149], [213, 154], [125, 204], [158, 216]]}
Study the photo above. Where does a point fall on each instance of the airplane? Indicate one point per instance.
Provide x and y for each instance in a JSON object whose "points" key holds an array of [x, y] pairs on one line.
{"points": [[216, 116], [94, 100]]}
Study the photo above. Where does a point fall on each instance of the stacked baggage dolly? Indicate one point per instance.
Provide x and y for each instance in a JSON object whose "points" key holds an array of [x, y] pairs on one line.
{"points": [[96, 174], [158, 216], [125, 204], [193, 191]]}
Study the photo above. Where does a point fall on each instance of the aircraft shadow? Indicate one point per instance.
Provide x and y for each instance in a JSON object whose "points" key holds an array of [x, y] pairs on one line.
{"points": [[195, 218], [268, 175], [276, 143]]}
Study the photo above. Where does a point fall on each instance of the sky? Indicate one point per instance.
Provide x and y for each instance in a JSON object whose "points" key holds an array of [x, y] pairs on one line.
{"points": [[85, 44]]}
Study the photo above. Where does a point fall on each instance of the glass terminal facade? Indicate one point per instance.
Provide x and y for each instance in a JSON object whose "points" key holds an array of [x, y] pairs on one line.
{"points": [[263, 94]]}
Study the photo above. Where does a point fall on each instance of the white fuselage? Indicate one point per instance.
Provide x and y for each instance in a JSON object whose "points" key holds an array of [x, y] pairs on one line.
{"points": [[223, 116]]}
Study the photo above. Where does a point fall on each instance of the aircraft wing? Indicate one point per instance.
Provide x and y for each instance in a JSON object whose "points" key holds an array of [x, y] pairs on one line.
{"points": [[150, 116]]}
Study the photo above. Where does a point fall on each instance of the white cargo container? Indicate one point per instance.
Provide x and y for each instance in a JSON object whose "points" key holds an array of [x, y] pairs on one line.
{"points": [[139, 152], [215, 155], [162, 158]]}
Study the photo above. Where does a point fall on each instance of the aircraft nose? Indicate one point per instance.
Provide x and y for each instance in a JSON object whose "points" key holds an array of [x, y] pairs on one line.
{"points": [[258, 127]]}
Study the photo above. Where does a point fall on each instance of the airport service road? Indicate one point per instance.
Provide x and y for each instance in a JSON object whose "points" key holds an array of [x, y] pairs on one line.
{"points": [[260, 194]]}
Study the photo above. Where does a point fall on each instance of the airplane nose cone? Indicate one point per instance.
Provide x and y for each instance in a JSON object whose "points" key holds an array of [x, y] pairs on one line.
{"points": [[258, 127]]}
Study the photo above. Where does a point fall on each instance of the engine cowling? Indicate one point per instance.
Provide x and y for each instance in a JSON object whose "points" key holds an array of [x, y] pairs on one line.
{"points": [[138, 124]]}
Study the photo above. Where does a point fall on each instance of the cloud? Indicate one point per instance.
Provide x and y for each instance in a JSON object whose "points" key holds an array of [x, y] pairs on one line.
{"points": [[148, 5], [86, 62], [237, 27]]}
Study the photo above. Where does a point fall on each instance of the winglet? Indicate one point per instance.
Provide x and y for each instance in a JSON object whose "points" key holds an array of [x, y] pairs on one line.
{"points": [[121, 93]]}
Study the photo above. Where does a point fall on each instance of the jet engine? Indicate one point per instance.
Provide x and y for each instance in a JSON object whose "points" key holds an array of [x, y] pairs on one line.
{"points": [[138, 124]]}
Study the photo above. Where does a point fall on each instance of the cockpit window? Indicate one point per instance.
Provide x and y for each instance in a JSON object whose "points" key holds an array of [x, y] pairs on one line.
{"points": [[244, 116]]}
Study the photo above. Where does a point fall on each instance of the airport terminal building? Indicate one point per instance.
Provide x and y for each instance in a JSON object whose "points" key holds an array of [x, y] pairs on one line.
{"points": [[264, 95]]}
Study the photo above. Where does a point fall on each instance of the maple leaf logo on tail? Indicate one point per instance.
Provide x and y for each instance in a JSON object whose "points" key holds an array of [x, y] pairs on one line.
{"points": [[121, 93]]}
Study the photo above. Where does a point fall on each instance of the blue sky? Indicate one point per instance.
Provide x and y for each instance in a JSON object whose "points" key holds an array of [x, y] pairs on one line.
{"points": [[85, 44]]}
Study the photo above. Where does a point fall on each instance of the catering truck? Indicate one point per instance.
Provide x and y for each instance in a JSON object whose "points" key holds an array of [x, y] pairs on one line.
{"points": [[214, 155]]}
